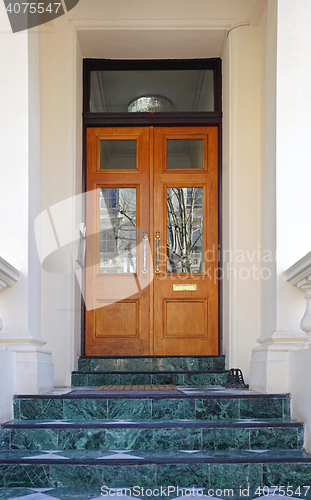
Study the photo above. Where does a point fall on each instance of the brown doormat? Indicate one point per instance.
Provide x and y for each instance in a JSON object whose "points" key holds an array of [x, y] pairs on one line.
{"points": [[137, 388]]}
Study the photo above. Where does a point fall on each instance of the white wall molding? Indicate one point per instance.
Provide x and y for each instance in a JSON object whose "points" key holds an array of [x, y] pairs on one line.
{"points": [[299, 275], [8, 274]]}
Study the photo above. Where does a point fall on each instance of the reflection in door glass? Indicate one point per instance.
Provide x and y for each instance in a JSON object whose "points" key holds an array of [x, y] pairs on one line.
{"points": [[184, 153], [185, 230], [117, 242], [118, 154]]}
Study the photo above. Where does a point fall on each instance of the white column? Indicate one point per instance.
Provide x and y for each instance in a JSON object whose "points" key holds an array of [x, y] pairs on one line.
{"points": [[286, 181], [20, 203]]}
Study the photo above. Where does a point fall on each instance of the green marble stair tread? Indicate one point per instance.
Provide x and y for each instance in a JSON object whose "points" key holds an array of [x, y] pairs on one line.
{"points": [[157, 363], [150, 423], [132, 457], [152, 434]]}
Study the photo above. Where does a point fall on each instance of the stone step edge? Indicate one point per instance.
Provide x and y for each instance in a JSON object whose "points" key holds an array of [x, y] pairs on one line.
{"points": [[76, 394], [156, 461], [155, 424], [188, 356], [148, 372]]}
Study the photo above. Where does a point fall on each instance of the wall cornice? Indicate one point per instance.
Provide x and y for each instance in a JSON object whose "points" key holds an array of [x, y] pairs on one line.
{"points": [[299, 273], [8, 274]]}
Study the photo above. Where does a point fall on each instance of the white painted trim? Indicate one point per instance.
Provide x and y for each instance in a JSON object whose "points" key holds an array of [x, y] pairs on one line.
{"points": [[8, 274], [300, 273], [153, 24]]}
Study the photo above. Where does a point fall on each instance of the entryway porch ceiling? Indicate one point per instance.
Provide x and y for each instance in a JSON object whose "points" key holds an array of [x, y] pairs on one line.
{"points": [[156, 30]]}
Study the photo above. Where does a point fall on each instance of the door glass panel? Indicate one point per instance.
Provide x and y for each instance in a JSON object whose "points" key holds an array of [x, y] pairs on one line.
{"points": [[117, 242], [183, 153], [185, 230], [118, 154], [181, 90]]}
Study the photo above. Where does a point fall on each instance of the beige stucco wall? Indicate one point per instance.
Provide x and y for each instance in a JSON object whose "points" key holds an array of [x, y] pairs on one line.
{"points": [[243, 73]]}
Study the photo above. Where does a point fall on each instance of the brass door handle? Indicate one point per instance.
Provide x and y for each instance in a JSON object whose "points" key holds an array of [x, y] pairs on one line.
{"points": [[157, 240], [145, 271]]}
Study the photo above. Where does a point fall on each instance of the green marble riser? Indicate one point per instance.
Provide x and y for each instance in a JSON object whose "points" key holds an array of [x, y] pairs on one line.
{"points": [[187, 473], [142, 438], [97, 379], [174, 363], [49, 408]]}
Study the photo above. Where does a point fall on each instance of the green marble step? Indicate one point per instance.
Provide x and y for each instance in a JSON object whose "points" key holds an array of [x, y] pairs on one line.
{"points": [[225, 404], [150, 469], [153, 363], [142, 493], [84, 379], [152, 435]]}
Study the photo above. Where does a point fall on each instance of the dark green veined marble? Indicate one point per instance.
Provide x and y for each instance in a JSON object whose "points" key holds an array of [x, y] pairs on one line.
{"points": [[129, 408], [198, 364], [135, 379], [4, 439], [34, 439], [76, 475], [287, 474], [167, 378], [217, 408], [219, 363], [287, 407], [173, 408], [235, 475], [300, 438], [165, 364], [177, 439], [79, 380], [221, 378], [96, 379], [126, 475], [85, 408], [36, 476], [274, 438], [183, 475], [200, 379], [225, 439], [16, 409], [41, 409], [261, 408], [129, 439], [82, 439]]}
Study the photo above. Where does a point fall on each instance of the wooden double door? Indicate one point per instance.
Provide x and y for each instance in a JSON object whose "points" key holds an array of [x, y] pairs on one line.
{"points": [[152, 241]]}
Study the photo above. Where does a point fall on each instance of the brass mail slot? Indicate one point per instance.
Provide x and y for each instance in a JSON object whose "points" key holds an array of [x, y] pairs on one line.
{"points": [[185, 288]]}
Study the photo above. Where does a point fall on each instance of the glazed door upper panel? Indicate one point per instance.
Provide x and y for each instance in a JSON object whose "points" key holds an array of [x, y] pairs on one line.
{"points": [[186, 226], [117, 300]]}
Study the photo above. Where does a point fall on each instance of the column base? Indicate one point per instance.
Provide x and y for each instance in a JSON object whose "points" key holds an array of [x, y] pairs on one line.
{"points": [[269, 368], [34, 367]]}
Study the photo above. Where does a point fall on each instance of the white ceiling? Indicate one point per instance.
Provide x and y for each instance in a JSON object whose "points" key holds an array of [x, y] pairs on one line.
{"points": [[162, 29]]}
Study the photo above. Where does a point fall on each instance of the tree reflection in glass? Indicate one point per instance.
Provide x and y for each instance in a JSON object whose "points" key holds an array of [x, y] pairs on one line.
{"points": [[185, 230], [117, 245]]}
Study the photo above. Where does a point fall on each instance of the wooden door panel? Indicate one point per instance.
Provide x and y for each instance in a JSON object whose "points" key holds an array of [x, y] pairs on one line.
{"points": [[117, 298], [186, 322]]}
